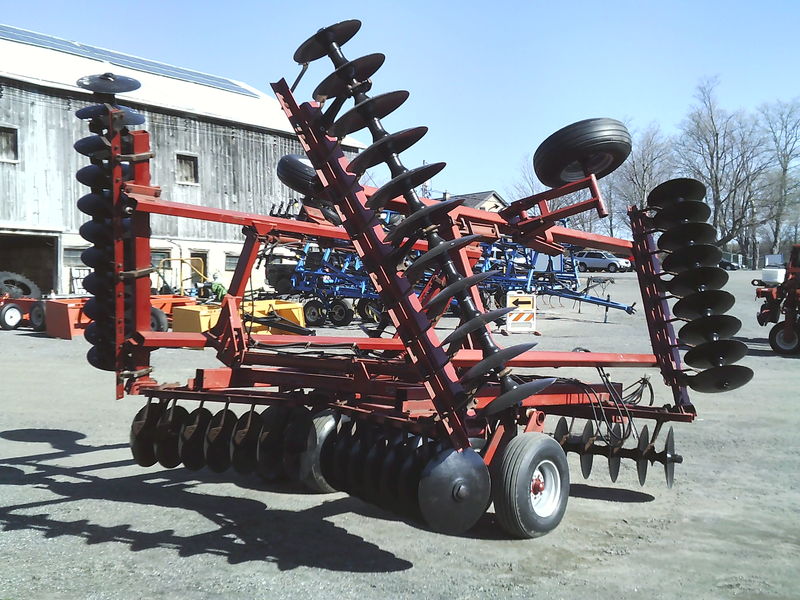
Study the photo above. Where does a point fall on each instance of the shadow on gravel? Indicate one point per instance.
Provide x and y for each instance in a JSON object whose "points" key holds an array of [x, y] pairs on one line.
{"points": [[761, 347], [580, 490], [246, 529]]}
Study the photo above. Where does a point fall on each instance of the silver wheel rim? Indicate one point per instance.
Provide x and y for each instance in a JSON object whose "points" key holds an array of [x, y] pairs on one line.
{"points": [[545, 489], [13, 316], [312, 314], [337, 312]]}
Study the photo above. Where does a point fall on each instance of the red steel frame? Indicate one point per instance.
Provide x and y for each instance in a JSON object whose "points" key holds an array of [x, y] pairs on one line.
{"points": [[418, 389]]}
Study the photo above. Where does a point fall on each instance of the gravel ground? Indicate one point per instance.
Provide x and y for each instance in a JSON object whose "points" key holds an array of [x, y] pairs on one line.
{"points": [[80, 520]]}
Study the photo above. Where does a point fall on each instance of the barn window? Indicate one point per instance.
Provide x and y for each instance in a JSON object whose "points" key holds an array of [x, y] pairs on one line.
{"points": [[230, 261], [72, 257], [8, 144], [156, 256], [187, 169]]}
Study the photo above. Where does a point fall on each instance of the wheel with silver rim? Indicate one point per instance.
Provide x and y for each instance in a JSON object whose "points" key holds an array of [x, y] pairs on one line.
{"points": [[784, 340], [340, 313], [10, 316], [530, 485], [314, 312]]}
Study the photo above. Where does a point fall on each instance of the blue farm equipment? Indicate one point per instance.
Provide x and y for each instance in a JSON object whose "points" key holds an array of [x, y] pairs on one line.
{"points": [[519, 268]]}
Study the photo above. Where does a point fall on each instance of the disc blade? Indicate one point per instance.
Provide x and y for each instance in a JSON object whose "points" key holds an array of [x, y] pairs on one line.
{"points": [[296, 440], [94, 146], [98, 258], [454, 490], [703, 304], [357, 460], [415, 270], [143, 432], [697, 280], [561, 433], [641, 461], [168, 432], [341, 453], [587, 440], [129, 116], [615, 442], [409, 478], [669, 452], [403, 183], [494, 362], [715, 354], [94, 176], [517, 395], [383, 149], [390, 472], [459, 334], [708, 329], [108, 83], [217, 442], [439, 302], [372, 467], [317, 45], [191, 439], [720, 379], [269, 451], [357, 70], [417, 220], [690, 257], [362, 113], [96, 205], [687, 234], [675, 190], [244, 442], [96, 232], [686, 211]]}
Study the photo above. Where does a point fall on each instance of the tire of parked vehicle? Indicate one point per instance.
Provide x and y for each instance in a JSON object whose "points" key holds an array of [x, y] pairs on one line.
{"points": [[596, 146], [18, 286], [612, 267], [10, 316], [582, 267], [314, 312], [36, 316]]}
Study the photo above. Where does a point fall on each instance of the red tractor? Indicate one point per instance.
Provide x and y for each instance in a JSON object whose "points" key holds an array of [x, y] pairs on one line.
{"points": [[782, 299]]}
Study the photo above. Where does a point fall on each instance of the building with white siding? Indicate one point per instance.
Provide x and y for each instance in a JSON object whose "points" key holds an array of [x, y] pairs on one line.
{"points": [[216, 143]]}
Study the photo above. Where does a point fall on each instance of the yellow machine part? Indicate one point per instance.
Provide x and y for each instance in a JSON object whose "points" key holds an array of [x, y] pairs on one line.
{"points": [[202, 317]]}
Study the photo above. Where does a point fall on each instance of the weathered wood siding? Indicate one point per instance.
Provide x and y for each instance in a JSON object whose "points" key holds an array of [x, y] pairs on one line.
{"points": [[236, 165]]}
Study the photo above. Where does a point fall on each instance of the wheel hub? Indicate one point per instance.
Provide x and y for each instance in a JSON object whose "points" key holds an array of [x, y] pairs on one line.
{"points": [[545, 489]]}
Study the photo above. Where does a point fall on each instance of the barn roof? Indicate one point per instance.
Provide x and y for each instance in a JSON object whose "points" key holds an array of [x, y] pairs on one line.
{"points": [[53, 62]]}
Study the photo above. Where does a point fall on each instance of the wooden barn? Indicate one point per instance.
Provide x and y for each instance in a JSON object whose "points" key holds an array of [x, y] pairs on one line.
{"points": [[216, 143]]}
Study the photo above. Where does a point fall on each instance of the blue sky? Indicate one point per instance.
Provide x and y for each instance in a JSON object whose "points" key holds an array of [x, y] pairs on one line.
{"points": [[490, 79]]}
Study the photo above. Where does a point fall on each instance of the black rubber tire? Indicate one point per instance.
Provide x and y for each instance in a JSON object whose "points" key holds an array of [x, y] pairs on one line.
{"points": [[10, 316], [319, 437], [36, 316], [158, 320], [779, 343], [513, 478], [18, 286], [601, 145], [314, 312], [295, 171], [582, 268], [340, 313], [612, 268]]}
